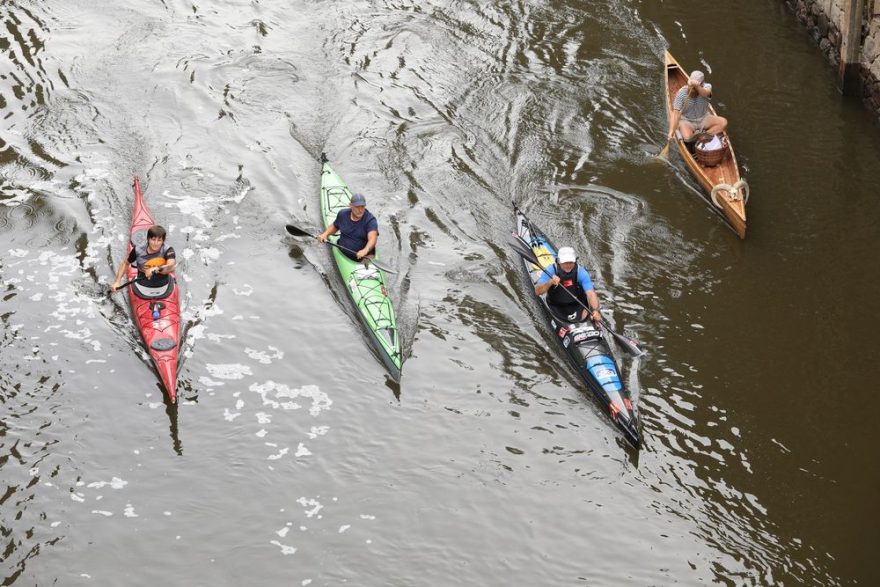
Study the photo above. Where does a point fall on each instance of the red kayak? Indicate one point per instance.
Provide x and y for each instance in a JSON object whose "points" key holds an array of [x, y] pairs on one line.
{"points": [[156, 311]]}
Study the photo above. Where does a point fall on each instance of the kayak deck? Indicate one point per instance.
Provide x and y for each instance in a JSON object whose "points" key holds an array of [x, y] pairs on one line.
{"points": [[162, 336], [365, 284], [585, 345]]}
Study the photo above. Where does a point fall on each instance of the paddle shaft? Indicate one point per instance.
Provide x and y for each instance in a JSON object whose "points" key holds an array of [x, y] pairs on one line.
{"points": [[296, 231], [138, 279]]}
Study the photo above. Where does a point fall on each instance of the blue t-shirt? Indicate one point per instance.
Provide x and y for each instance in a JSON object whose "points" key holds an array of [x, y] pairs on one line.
{"points": [[353, 235], [583, 277]]}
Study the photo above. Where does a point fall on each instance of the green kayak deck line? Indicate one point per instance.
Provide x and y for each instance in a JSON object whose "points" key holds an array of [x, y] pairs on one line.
{"points": [[365, 283]]}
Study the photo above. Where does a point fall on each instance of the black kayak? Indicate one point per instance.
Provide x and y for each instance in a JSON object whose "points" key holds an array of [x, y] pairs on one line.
{"points": [[585, 344]]}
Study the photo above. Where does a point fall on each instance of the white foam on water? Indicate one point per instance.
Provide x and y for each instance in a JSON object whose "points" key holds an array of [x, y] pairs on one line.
{"points": [[243, 292], [278, 455], [278, 395], [317, 431], [344, 527], [285, 550], [308, 502], [264, 357], [102, 513], [191, 207], [229, 416], [302, 451], [115, 483], [209, 255], [210, 382], [228, 371]]}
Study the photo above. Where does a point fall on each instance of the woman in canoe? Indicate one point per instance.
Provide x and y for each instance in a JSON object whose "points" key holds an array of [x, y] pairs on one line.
{"points": [[690, 110], [564, 282], [154, 261], [358, 229]]}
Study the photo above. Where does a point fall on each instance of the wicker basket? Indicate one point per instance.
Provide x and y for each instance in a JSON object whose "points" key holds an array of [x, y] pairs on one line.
{"points": [[713, 157]]}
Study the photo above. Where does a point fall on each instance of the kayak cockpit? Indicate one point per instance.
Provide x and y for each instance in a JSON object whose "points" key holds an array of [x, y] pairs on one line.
{"points": [[152, 293]]}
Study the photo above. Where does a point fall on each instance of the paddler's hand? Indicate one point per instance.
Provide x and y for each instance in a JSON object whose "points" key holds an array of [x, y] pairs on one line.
{"points": [[148, 272], [596, 316], [670, 136], [554, 280], [322, 238], [115, 286], [362, 253]]}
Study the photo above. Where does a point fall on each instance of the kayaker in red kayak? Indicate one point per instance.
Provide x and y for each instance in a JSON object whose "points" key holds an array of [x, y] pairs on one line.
{"points": [[154, 261], [567, 274], [358, 227]]}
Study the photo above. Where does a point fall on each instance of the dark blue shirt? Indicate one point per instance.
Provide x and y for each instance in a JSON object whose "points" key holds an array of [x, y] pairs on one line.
{"points": [[353, 235]]}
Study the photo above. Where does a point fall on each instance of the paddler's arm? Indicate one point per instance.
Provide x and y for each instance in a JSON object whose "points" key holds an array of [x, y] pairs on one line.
{"points": [[673, 124], [330, 230], [370, 246], [117, 281], [543, 287], [593, 300]]}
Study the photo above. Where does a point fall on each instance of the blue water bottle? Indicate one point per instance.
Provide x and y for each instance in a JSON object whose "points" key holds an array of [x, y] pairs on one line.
{"points": [[155, 313]]}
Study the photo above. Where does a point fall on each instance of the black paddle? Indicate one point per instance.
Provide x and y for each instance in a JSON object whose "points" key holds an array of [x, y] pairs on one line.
{"points": [[525, 251], [296, 231], [138, 279]]}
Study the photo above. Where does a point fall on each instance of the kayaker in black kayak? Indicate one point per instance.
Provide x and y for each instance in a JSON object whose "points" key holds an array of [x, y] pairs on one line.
{"points": [[358, 227], [148, 259], [566, 274]]}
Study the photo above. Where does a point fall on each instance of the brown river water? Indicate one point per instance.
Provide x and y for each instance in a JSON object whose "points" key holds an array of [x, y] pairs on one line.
{"points": [[292, 459]]}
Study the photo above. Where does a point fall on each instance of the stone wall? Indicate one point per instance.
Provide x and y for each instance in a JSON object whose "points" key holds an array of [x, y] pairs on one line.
{"points": [[823, 19]]}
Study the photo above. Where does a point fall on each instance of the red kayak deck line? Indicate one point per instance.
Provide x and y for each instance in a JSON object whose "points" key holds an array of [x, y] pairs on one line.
{"points": [[162, 336]]}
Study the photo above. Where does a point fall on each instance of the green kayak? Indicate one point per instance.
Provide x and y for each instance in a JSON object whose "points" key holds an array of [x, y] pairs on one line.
{"points": [[365, 283]]}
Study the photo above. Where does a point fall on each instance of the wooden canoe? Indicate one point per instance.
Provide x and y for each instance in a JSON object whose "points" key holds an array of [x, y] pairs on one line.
{"points": [[724, 188]]}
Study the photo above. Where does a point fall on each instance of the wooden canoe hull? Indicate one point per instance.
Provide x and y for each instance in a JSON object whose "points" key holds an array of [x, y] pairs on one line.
{"points": [[730, 192]]}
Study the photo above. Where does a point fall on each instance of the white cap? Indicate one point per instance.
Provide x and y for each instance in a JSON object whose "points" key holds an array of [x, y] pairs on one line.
{"points": [[697, 76], [566, 255]]}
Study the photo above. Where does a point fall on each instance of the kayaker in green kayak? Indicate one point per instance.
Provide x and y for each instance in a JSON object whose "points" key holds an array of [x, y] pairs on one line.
{"points": [[565, 273], [358, 229]]}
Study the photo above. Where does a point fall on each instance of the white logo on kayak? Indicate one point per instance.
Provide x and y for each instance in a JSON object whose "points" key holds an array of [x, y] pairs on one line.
{"points": [[605, 373]]}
